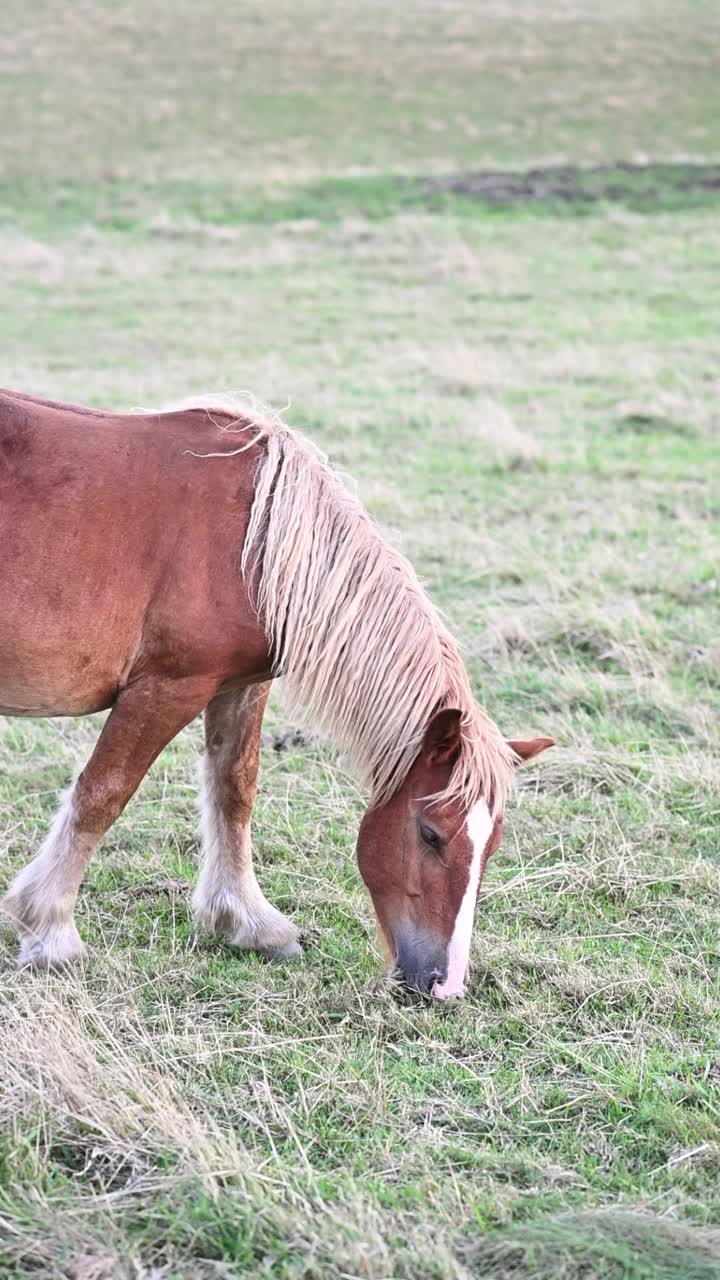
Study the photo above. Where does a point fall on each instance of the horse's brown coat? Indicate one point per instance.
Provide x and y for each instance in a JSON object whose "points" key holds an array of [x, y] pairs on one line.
{"points": [[121, 588], [119, 552]]}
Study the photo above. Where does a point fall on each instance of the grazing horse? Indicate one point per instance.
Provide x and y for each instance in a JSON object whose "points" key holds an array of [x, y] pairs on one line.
{"points": [[161, 565]]}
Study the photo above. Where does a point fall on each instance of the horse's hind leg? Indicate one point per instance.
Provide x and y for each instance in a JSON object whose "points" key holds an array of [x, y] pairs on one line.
{"points": [[41, 899], [228, 898]]}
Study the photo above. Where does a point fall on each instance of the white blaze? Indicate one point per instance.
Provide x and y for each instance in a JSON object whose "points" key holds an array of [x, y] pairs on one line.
{"points": [[479, 827]]}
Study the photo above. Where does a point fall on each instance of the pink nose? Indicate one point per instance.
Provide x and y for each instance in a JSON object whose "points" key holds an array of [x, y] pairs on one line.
{"points": [[448, 990]]}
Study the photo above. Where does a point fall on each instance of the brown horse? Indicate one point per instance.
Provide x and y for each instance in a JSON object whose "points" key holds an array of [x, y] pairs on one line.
{"points": [[165, 564]]}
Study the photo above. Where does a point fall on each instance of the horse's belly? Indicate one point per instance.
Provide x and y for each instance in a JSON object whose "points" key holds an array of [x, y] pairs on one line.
{"points": [[52, 697], [31, 705], [54, 671], [47, 713]]}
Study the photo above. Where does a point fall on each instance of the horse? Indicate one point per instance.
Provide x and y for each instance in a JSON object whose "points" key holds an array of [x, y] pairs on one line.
{"points": [[162, 565]]}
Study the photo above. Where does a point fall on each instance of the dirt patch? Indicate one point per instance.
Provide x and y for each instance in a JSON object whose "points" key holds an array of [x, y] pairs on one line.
{"points": [[565, 183], [642, 424], [286, 740]]}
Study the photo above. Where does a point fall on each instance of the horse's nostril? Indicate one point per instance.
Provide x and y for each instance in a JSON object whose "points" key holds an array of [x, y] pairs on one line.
{"points": [[421, 959], [425, 981]]}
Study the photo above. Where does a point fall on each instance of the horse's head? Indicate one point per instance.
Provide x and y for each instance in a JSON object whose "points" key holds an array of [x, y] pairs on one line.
{"points": [[423, 861]]}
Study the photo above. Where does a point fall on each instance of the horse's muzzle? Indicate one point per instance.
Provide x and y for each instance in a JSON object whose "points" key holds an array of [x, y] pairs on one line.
{"points": [[422, 958]]}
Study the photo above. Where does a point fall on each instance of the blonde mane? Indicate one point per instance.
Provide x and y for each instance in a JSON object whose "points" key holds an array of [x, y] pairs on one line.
{"points": [[363, 654]]}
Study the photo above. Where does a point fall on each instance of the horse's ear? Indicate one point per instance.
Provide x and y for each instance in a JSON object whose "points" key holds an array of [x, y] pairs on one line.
{"points": [[529, 748], [441, 742]]}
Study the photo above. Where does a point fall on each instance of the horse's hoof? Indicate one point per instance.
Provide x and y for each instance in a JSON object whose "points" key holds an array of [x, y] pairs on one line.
{"points": [[288, 951], [60, 951]]}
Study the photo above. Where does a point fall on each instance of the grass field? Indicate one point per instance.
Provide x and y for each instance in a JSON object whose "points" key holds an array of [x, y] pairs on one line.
{"points": [[525, 390]]}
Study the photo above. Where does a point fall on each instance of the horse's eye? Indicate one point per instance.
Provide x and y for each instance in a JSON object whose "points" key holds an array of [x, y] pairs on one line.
{"points": [[431, 837]]}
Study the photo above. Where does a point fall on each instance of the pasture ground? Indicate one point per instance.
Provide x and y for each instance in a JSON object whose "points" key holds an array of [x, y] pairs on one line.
{"points": [[217, 196]]}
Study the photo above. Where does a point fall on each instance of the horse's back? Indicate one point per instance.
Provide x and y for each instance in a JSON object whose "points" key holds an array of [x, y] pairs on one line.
{"points": [[111, 527]]}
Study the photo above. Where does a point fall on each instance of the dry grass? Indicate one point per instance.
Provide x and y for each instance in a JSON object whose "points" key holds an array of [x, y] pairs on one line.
{"points": [[605, 1243], [96, 1074]]}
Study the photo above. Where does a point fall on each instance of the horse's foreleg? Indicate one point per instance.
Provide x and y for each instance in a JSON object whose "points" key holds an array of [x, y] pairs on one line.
{"points": [[41, 899], [228, 898]]}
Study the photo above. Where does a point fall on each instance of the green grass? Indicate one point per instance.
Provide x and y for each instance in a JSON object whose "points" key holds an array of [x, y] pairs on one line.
{"points": [[46, 205], [527, 396]]}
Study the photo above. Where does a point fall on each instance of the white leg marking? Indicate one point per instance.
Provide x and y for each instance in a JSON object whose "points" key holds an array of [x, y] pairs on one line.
{"points": [[479, 827], [228, 898], [41, 899]]}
